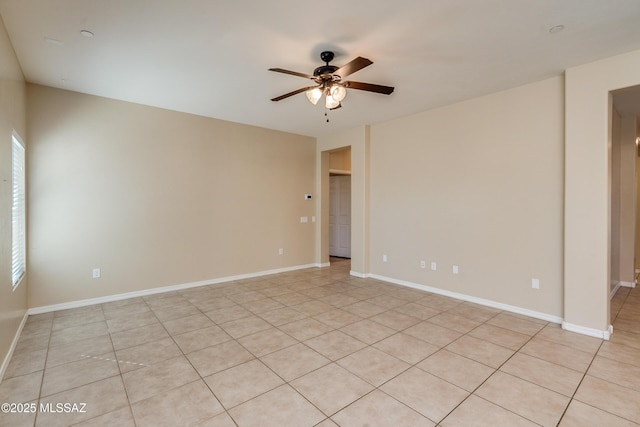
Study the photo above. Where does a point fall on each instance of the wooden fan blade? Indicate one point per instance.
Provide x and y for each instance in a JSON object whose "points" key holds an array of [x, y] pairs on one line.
{"points": [[295, 92], [357, 64], [386, 90], [293, 73]]}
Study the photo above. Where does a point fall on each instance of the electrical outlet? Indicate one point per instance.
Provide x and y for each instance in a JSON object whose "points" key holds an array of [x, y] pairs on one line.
{"points": [[455, 269], [384, 257], [280, 251], [535, 283], [96, 273], [423, 264], [434, 266], [304, 219]]}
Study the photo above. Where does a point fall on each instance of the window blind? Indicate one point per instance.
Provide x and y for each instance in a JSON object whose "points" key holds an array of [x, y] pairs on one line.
{"points": [[18, 213]]}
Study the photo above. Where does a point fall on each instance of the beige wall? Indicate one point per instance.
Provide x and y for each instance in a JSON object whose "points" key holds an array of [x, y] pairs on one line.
{"points": [[477, 184], [13, 304], [616, 144], [587, 186], [340, 160], [157, 198]]}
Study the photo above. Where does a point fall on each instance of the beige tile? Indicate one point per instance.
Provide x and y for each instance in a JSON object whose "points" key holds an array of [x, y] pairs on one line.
{"points": [[292, 298], [335, 344], [137, 336], [262, 305], [19, 419], [558, 354], [337, 318], [228, 314], [282, 316], [364, 309], [36, 327], [546, 374], [458, 370], [475, 312], [581, 415], [478, 412], [222, 420], [373, 365], [63, 322], [121, 418], [406, 348], [313, 307], [159, 378], [610, 397], [434, 334], [219, 357], [242, 383], [246, 296], [245, 326], [268, 341], [187, 324], [74, 374], [125, 310], [101, 397], [517, 324], [500, 336], [34, 342], [21, 389], [339, 300], [79, 350], [626, 325], [456, 322], [201, 338], [481, 351], [616, 372], [305, 329], [77, 333], [526, 399], [417, 310], [555, 333], [137, 320], [331, 388], [379, 410], [26, 362], [619, 352], [626, 338], [295, 361], [147, 354], [431, 396], [282, 406], [175, 311], [395, 320], [327, 423], [188, 404], [368, 331], [386, 301], [439, 302]]}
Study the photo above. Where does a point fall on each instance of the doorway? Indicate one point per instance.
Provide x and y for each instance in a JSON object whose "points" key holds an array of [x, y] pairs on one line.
{"points": [[340, 203]]}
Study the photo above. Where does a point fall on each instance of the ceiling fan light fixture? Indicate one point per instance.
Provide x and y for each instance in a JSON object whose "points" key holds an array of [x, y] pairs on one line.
{"points": [[338, 92], [331, 102], [314, 95]]}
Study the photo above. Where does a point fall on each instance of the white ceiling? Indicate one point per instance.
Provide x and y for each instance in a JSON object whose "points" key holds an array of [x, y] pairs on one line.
{"points": [[210, 57]]}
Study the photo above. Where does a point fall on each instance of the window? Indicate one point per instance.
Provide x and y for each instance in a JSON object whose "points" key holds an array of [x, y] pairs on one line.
{"points": [[18, 213]]}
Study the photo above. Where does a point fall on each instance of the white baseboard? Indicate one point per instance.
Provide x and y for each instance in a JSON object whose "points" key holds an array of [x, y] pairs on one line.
{"points": [[7, 358], [628, 284], [322, 264], [153, 291], [360, 275], [597, 333], [476, 300], [614, 289]]}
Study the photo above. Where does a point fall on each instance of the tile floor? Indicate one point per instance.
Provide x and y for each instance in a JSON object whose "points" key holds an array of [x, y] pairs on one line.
{"points": [[320, 348]]}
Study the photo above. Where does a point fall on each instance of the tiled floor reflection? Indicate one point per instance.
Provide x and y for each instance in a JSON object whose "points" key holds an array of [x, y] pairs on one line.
{"points": [[320, 347]]}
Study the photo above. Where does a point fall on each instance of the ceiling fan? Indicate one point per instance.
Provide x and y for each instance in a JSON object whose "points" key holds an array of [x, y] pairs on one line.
{"points": [[328, 81]]}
